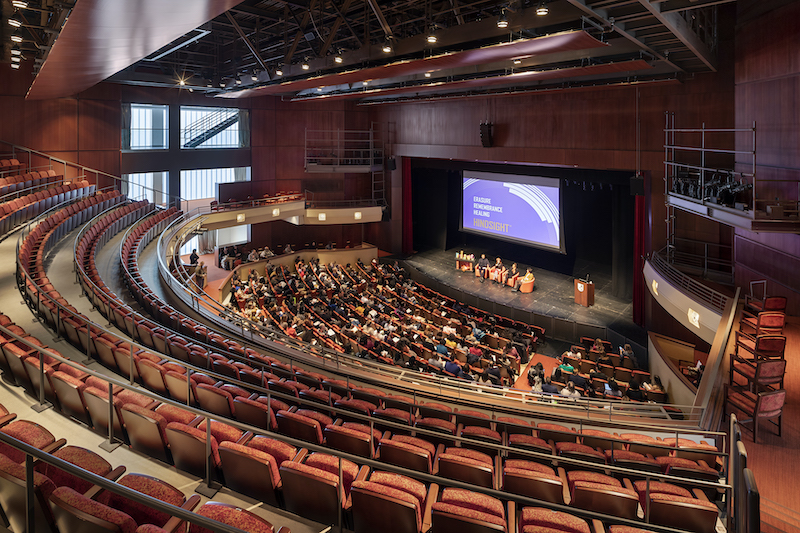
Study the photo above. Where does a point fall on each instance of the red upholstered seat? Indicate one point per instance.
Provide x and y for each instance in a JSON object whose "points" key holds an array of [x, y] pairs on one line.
{"points": [[151, 486], [281, 451], [222, 432], [553, 520], [232, 516], [250, 471], [458, 507], [28, 432], [67, 503], [86, 459]]}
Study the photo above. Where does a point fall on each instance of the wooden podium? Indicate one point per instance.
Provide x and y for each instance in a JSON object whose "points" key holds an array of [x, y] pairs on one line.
{"points": [[584, 293]]}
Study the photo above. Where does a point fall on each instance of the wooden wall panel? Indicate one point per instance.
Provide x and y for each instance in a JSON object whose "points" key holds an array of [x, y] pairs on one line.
{"points": [[100, 124]]}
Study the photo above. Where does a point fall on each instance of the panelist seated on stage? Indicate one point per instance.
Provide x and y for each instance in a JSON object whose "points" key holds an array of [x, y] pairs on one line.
{"points": [[497, 272], [525, 283], [482, 268], [511, 275]]}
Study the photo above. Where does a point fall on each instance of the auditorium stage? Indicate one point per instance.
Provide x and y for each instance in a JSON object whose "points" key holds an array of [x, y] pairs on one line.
{"points": [[553, 295]]}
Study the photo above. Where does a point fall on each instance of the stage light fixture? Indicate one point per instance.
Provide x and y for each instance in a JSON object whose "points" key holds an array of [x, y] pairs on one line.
{"points": [[387, 48], [16, 59], [542, 10], [279, 71], [427, 74], [17, 36], [15, 65], [502, 22], [15, 20], [181, 82], [238, 80], [432, 35], [364, 83], [338, 58], [254, 76], [19, 4], [16, 50], [517, 61], [305, 65]]}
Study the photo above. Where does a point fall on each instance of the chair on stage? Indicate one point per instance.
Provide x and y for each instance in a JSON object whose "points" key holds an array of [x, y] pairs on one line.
{"points": [[527, 286]]}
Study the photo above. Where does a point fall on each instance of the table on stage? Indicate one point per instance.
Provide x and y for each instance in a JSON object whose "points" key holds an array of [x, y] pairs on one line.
{"points": [[465, 264], [584, 292]]}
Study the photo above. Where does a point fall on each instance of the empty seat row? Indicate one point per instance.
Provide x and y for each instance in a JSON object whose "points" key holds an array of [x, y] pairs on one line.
{"points": [[20, 182]]}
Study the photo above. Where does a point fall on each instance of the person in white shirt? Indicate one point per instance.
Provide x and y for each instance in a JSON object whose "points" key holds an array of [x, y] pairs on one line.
{"points": [[570, 392]]}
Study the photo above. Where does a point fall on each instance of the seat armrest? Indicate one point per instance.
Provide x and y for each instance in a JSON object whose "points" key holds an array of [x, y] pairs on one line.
{"points": [[54, 446], [7, 418], [174, 524], [511, 516], [116, 473], [433, 493], [597, 526], [284, 529], [245, 438], [301, 455], [152, 405], [363, 473], [699, 494], [564, 485], [195, 421]]}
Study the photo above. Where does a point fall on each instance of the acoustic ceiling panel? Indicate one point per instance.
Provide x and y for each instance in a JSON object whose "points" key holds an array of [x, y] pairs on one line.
{"points": [[102, 37], [519, 78], [549, 44]]}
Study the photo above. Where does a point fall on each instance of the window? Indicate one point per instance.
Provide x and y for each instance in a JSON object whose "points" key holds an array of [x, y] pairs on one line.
{"points": [[214, 127], [200, 184], [145, 127], [146, 186]]}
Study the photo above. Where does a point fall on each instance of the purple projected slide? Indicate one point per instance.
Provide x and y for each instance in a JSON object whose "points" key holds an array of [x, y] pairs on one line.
{"points": [[511, 210]]}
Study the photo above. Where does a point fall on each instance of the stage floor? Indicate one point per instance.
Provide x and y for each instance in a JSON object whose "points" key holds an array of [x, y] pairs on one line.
{"points": [[553, 294]]}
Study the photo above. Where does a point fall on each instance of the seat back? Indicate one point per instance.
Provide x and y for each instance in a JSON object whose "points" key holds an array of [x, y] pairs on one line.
{"points": [[146, 431], [13, 494], [232, 516], [299, 481], [250, 471]]}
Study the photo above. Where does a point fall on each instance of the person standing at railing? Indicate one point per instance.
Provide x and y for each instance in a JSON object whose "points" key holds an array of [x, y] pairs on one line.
{"points": [[200, 276]]}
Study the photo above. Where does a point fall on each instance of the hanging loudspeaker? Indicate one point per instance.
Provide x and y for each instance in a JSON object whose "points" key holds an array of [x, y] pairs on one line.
{"points": [[486, 135]]}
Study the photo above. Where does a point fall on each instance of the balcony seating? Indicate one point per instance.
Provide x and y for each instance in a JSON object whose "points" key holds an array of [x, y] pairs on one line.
{"points": [[462, 511], [392, 503], [603, 494], [673, 506], [150, 486], [86, 459], [13, 496], [188, 446], [468, 466], [252, 469], [762, 406], [534, 480], [318, 475], [764, 323], [759, 374], [759, 347], [30, 433], [770, 303], [539, 519], [413, 453], [233, 516]]}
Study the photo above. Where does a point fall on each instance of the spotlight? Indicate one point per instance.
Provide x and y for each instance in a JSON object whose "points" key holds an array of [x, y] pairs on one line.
{"points": [[19, 4], [542, 10], [16, 59], [17, 36], [338, 58], [432, 35], [254, 76], [15, 20], [15, 65], [209, 83], [279, 71], [222, 83], [305, 65], [387, 47], [427, 74], [502, 22], [238, 80], [16, 50], [181, 82], [365, 83], [319, 89], [517, 61]]}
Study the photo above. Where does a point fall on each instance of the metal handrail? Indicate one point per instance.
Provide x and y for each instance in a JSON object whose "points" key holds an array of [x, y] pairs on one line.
{"points": [[660, 262]]}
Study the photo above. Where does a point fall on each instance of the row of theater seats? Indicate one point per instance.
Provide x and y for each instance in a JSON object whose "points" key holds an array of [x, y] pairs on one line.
{"points": [[21, 182], [24, 208], [285, 414], [68, 503], [8, 165]]}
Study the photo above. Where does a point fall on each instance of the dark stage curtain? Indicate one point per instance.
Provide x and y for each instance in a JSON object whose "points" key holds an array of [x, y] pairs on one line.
{"points": [[408, 218], [622, 217], [640, 225]]}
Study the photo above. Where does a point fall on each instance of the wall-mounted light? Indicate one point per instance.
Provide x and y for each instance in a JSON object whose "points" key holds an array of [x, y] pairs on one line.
{"points": [[276, 212], [240, 218], [654, 285], [322, 217], [357, 215], [694, 318]]}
